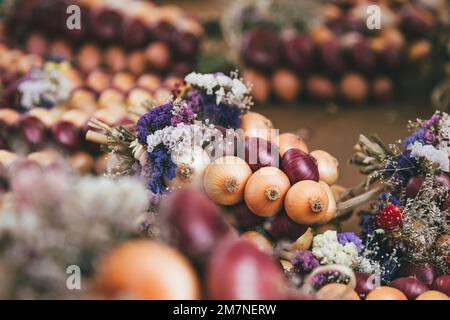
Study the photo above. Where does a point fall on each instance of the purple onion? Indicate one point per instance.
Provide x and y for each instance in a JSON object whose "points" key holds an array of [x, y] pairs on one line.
{"points": [[106, 23], [261, 153], [365, 282], [260, 48], [299, 166], [410, 286], [422, 272], [442, 284], [33, 130], [66, 134], [299, 53], [244, 218], [194, 222], [283, 227]]}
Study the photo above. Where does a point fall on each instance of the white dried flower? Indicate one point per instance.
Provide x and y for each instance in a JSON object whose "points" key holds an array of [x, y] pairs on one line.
{"points": [[430, 153], [327, 249]]}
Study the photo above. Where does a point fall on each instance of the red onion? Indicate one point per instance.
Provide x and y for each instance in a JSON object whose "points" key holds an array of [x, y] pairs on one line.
{"points": [[106, 23], [413, 186], [283, 227], [239, 271], [134, 32], [245, 219], [194, 222], [33, 130], [423, 272], [229, 146], [442, 284], [299, 166], [411, 287], [365, 282], [261, 153], [66, 134]]}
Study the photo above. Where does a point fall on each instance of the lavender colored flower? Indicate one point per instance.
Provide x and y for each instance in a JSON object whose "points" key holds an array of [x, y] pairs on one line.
{"points": [[429, 137], [433, 121], [418, 135], [346, 237], [162, 167], [157, 118], [304, 261], [183, 115]]}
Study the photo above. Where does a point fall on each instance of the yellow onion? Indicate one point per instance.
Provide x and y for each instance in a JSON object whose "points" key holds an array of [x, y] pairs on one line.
{"points": [[328, 166], [258, 240], [306, 202], [385, 293], [288, 141], [265, 191], [146, 269], [337, 291], [256, 125], [191, 167], [225, 180], [331, 212], [433, 295]]}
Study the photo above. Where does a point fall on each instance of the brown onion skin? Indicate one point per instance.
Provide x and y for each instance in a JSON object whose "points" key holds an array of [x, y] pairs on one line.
{"points": [[299, 166], [263, 278], [410, 286], [442, 284], [363, 284], [261, 153], [424, 272], [283, 227], [184, 213]]}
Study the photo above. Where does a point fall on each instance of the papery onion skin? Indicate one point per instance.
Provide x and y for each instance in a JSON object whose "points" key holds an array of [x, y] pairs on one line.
{"points": [[146, 269], [299, 166], [327, 165], [365, 282], [254, 120], [332, 207], [194, 223], [287, 141], [284, 228], [239, 271], [422, 272], [261, 153], [410, 286], [304, 241], [385, 293], [433, 295], [243, 217], [442, 284], [190, 169], [225, 180], [306, 202], [265, 191]]}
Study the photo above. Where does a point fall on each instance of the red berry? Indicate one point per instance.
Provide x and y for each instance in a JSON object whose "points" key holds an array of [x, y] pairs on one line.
{"points": [[390, 217]]}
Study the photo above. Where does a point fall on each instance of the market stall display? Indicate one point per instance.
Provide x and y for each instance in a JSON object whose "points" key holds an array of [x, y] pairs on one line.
{"points": [[326, 51], [135, 36]]}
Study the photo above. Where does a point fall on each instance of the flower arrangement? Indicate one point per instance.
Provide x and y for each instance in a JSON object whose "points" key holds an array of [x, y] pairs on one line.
{"points": [[166, 146], [409, 225]]}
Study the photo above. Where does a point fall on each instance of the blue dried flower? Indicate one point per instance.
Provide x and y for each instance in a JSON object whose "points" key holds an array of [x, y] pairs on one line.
{"points": [[162, 167], [386, 199], [368, 226], [402, 168], [418, 136], [304, 261], [346, 237], [156, 119]]}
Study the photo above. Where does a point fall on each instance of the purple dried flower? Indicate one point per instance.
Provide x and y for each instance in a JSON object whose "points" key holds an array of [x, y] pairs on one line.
{"points": [[429, 137], [156, 119], [162, 167], [346, 237], [304, 261], [418, 135], [183, 115], [434, 120]]}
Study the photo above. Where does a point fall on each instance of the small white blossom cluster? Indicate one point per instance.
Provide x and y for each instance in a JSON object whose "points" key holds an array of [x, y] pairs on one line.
{"points": [[444, 134], [44, 85], [429, 152], [230, 90], [180, 139], [327, 249]]}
